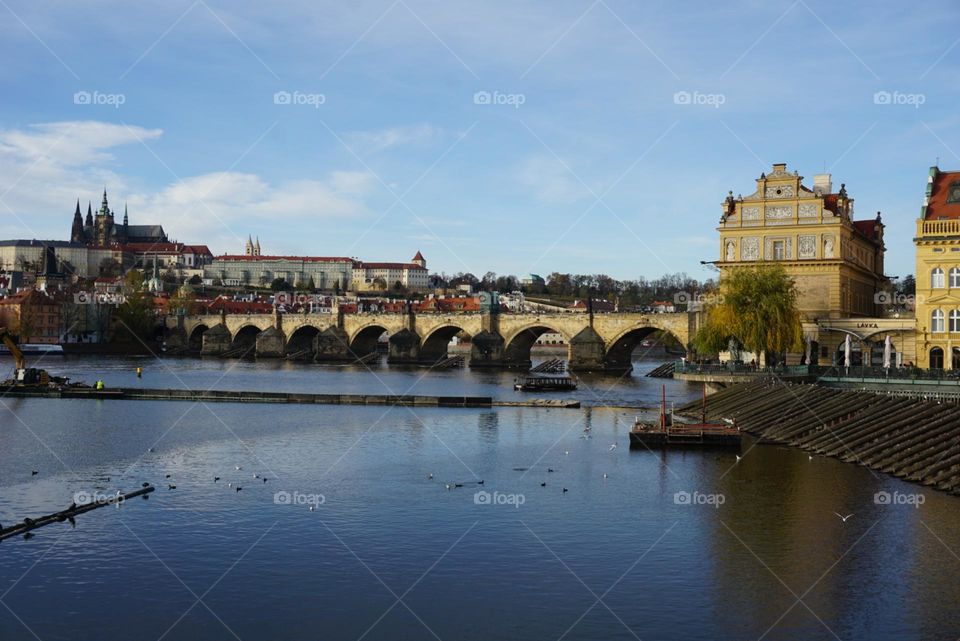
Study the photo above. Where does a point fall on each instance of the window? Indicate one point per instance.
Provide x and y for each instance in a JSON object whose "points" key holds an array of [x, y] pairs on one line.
{"points": [[936, 278], [953, 195], [779, 252], [936, 320], [955, 320], [955, 277]]}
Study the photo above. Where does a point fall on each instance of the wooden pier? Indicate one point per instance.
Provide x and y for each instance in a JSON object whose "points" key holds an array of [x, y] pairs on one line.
{"points": [[231, 396], [28, 524], [916, 440]]}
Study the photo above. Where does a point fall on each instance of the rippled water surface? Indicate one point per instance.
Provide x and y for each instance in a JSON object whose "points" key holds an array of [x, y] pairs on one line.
{"points": [[389, 553]]}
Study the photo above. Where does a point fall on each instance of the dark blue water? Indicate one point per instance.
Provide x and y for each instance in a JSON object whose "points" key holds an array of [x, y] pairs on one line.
{"points": [[389, 553]]}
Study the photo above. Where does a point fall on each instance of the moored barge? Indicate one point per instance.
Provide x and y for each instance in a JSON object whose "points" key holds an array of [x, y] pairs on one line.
{"points": [[668, 433]]}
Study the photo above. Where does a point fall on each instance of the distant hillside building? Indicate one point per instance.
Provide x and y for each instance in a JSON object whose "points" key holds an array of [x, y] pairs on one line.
{"points": [[101, 230], [380, 276], [256, 270], [32, 315]]}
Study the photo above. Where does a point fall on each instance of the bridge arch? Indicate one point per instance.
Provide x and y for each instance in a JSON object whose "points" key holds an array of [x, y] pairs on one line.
{"points": [[433, 347], [517, 347], [620, 350], [364, 340], [302, 339], [195, 340], [246, 337]]}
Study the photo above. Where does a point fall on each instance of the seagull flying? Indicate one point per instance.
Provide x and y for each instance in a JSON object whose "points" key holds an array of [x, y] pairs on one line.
{"points": [[843, 518]]}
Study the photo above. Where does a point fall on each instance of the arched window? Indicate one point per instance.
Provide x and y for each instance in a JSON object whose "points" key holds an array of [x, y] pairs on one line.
{"points": [[936, 358], [955, 320], [955, 277], [936, 278], [936, 320]]}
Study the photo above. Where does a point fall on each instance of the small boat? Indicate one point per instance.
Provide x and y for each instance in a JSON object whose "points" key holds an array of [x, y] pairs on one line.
{"points": [[545, 384], [668, 432]]}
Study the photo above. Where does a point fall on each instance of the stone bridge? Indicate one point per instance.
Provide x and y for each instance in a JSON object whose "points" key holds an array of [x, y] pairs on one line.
{"points": [[604, 341]]}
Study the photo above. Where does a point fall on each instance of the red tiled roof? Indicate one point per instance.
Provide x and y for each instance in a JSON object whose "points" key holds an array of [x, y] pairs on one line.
{"points": [[419, 256], [866, 228], [305, 259], [938, 208], [198, 249], [390, 265], [154, 248]]}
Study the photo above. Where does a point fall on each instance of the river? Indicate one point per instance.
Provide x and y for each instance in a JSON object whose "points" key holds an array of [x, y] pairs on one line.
{"points": [[648, 545]]}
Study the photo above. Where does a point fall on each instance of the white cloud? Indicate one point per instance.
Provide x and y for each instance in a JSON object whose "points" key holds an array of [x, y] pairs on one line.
{"points": [[372, 142], [50, 164], [550, 180]]}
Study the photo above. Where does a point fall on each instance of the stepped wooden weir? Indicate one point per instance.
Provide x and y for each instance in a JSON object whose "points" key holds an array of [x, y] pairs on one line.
{"points": [[913, 439]]}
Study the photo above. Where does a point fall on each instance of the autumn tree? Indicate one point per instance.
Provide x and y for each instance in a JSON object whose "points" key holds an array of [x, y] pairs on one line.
{"points": [[757, 306]]}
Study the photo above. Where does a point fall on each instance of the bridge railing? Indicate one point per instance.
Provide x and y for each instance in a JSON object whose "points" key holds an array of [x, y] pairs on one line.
{"points": [[852, 373], [743, 369]]}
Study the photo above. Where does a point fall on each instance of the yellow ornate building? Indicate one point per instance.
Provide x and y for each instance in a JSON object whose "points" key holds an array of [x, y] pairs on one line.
{"points": [[835, 261], [938, 272]]}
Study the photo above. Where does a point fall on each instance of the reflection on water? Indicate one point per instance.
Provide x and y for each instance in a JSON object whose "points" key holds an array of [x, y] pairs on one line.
{"points": [[679, 545]]}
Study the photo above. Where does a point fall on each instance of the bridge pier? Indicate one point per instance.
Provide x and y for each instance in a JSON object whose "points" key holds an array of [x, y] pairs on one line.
{"points": [[216, 340], [404, 348], [271, 343], [332, 345], [587, 352], [177, 339], [486, 350]]}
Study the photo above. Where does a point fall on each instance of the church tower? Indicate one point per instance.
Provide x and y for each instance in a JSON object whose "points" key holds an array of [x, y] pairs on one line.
{"points": [[76, 231], [103, 223], [256, 248], [248, 248]]}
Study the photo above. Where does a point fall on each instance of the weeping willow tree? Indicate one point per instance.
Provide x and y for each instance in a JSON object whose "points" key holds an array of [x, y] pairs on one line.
{"points": [[757, 306]]}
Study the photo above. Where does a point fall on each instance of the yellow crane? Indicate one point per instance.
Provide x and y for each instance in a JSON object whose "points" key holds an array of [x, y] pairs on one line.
{"points": [[22, 375]]}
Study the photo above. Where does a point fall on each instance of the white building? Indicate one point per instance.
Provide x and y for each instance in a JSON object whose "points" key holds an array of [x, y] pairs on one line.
{"points": [[383, 276], [257, 270]]}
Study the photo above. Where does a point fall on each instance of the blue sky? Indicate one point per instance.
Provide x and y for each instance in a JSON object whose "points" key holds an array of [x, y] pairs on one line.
{"points": [[585, 162]]}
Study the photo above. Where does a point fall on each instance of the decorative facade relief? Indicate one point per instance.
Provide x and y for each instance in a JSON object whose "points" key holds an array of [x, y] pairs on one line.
{"points": [[807, 247], [809, 210], [779, 191], [828, 248], [731, 251], [750, 248], [750, 213], [779, 214]]}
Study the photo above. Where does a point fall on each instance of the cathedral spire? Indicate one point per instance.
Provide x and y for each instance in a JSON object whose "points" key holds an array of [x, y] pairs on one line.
{"points": [[76, 231], [126, 220], [89, 222]]}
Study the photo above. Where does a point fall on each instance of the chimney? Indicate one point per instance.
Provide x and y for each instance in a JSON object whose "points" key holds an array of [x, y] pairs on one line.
{"points": [[822, 184]]}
